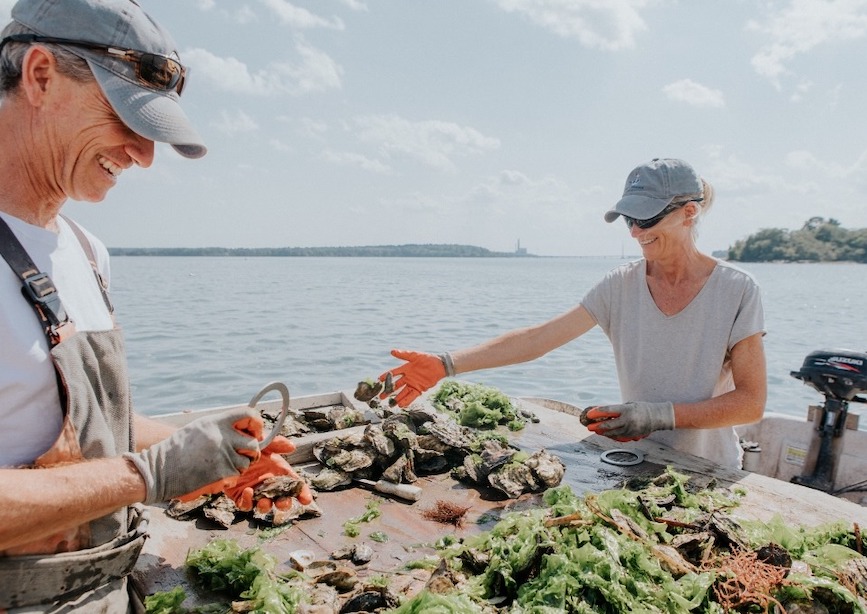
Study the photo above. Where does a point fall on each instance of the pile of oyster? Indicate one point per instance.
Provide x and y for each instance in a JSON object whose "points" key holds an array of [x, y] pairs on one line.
{"points": [[222, 509], [423, 441]]}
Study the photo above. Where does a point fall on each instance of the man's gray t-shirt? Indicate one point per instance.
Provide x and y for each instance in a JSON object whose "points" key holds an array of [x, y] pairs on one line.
{"points": [[682, 358]]}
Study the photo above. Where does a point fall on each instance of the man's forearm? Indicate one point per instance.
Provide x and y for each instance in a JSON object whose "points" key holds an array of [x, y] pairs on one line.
{"points": [[35, 503]]}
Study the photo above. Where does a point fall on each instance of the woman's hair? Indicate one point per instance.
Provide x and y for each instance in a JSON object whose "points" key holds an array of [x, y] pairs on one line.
{"points": [[12, 59], [703, 199]]}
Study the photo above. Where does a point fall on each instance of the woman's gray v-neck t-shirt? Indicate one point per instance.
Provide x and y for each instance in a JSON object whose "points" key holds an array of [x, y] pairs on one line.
{"points": [[682, 358]]}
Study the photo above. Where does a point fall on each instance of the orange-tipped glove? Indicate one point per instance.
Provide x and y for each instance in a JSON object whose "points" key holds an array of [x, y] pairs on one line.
{"points": [[268, 464], [631, 421], [420, 372], [210, 448]]}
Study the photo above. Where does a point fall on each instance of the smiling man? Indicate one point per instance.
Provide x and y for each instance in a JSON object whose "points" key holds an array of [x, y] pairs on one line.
{"points": [[86, 88]]}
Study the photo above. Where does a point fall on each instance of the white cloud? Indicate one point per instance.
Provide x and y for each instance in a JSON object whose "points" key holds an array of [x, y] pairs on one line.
{"points": [[601, 24], [279, 145], [512, 190], [696, 94], [802, 160], [356, 5], [434, 143], [236, 123], [357, 161], [803, 25], [314, 71], [297, 17]]}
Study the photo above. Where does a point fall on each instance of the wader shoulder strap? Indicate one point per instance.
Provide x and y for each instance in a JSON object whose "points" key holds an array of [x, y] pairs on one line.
{"points": [[91, 257], [36, 286]]}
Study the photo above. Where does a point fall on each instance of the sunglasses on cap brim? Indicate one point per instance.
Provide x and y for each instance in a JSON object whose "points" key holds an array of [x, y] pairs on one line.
{"points": [[155, 71]]}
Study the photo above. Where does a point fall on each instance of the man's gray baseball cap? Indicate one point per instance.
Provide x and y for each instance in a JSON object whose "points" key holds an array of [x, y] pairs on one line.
{"points": [[151, 113], [651, 187]]}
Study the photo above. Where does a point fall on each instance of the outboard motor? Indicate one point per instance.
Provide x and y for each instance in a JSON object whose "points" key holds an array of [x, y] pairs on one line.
{"points": [[840, 375]]}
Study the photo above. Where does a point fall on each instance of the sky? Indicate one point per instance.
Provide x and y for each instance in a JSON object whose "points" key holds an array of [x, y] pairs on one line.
{"points": [[489, 122]]}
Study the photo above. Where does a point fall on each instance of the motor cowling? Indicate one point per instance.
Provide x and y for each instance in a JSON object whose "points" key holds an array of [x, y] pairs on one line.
{"points": [[838, 374]]}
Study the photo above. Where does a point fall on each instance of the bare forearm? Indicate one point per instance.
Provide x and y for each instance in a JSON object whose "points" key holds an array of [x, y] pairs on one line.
{"points": [[524, 344], [729, 409], [38, 502]]}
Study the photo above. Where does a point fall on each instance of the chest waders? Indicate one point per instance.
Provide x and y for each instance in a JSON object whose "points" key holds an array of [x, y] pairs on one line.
{"points": [[83, 569]]}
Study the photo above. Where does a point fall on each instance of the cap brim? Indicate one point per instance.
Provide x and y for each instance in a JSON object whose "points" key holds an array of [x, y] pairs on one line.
{"points": [[637, 207], [153, 115]]}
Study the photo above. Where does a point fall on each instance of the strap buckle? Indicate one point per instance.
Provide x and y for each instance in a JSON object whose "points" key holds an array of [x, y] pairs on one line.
{"points": [[41, 292]]}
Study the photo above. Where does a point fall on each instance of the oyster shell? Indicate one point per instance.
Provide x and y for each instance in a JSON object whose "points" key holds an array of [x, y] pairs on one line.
{"points": [[514, 479], [361, 554], [278, 516], [367, 390], [371, 599], [451, 433], [329, 479], [221, 510], [548, 468], [401, 470], [380, 442], [343, 579], [278, 487], [180, 509]]}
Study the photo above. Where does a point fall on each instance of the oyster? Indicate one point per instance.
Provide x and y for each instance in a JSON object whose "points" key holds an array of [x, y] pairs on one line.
{"points": [[361, 554], [329, 479], [343, 579], [401, 470], [278, 516], [333, 417], [299, 559], [451, 433], [352, 460], [278, 487], [221, 510], [514, 479], [546, 467], [379, 441], [180, 509], [367, 390], [371, 599]]}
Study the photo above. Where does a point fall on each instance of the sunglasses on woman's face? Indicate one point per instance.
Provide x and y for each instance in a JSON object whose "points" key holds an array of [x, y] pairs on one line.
{"points": [[656, 219], [158, 72]]}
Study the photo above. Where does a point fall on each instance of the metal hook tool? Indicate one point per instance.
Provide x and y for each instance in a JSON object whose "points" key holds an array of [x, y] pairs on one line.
{"points": [[284, 392]]}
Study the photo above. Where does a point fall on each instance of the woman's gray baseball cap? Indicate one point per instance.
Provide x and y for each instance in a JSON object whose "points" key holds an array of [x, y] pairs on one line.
{"points": [[153, 114], [651, 187]]}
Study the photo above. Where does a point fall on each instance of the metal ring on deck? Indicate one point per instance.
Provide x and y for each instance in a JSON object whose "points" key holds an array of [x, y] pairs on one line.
{"points": [[284, 411], [622, 457]]}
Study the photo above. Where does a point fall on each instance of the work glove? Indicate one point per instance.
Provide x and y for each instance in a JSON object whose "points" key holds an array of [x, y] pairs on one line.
{"points": [[205, 450], [241, 488], [630, 421], [420, 372]]}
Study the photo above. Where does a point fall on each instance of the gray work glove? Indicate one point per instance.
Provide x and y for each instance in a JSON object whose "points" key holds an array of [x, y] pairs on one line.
{"points": [[632, 420], [203, 451]]}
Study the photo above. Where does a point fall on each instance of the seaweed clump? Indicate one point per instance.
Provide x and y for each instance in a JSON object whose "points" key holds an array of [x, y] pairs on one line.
{"points": [[664, 548]]}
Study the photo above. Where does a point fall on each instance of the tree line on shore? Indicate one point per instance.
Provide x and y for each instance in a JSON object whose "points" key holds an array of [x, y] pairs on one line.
{"points": [[818, 240], [412, 250]]}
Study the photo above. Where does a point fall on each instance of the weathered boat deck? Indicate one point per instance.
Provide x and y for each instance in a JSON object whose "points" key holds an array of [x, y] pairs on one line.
{"points": [[410, 536]]}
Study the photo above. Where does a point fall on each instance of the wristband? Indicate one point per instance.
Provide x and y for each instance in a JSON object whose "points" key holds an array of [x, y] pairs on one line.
{"points": [[448, 363]]}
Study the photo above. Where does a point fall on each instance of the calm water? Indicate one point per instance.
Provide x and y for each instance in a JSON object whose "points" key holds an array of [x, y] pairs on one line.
{"points": [[205, 332]]}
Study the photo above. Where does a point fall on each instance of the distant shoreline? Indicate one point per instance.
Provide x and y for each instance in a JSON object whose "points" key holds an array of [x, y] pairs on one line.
{"points": [[403, 251]]}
